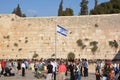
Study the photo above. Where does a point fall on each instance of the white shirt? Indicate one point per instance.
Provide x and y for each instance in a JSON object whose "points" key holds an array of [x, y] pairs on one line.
{"points": [[54, 64], [23, 65], [115, 65]]}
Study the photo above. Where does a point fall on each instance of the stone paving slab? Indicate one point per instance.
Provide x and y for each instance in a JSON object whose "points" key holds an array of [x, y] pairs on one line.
{"points": [[30, 76]]}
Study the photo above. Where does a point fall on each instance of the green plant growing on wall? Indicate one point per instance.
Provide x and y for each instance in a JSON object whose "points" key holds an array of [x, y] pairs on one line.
{"points": [[71, 55], [83, 46], [94, 49], [79, 43], [6, 37], [94, 46], [26, 41], [93, 43], [35, 55], [19, 49], [16, 44], [111, 43], [53, 55], [114, 44], [86, 39]]}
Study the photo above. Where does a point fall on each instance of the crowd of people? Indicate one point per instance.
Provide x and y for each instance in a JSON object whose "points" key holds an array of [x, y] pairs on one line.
{"points": [[50, 68], [10, 67], [107, 70], [76, 68]]}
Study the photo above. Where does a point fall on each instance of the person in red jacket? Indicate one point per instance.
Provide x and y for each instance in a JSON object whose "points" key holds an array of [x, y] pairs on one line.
{"points": [[61, 71], [3, 65]]}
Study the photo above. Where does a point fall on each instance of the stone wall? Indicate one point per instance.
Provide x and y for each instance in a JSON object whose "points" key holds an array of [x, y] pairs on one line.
{"points": [[22, 37]]}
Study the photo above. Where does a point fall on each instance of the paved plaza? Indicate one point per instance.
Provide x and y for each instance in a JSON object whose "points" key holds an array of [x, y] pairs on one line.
{"points": [[30, 76]]}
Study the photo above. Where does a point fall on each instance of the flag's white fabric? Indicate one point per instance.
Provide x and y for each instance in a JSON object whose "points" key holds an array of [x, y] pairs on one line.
{"points": [[62, 30]]}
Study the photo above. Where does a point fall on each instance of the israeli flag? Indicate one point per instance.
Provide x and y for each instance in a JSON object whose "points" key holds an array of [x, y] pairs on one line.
{"points": [[62, 30]]}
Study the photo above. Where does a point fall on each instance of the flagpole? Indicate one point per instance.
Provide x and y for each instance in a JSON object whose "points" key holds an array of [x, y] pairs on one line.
{"points": [[55, 42], [59, 29]]}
